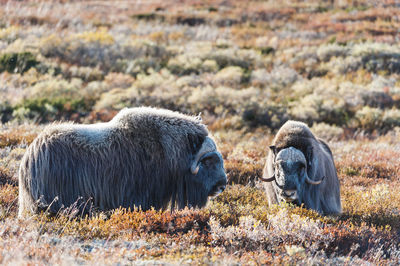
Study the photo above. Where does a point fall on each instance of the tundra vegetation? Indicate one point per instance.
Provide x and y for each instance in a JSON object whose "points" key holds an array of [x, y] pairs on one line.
{"points": [[247, 67]]}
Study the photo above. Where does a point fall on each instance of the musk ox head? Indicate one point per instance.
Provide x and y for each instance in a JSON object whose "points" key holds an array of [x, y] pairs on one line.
{"points": [[208, 169], [290, 175]]}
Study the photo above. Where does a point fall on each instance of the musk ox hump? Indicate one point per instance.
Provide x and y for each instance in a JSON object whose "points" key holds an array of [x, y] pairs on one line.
{"points": [[294, 134]]}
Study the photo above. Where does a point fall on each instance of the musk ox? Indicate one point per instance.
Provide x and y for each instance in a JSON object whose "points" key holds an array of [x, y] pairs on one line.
{"points": [[300, 169], [143, 157]]}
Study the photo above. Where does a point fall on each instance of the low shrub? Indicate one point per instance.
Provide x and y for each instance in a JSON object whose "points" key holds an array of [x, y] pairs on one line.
{"points": [[185, 65], [17, 62], [43, 110], [126, 224], [14, 136], [242, 172], [229, 76], [8, 198], [6, 178], [391, 118], [327, 132], [369, 118], [5, 112], [272, 116]]}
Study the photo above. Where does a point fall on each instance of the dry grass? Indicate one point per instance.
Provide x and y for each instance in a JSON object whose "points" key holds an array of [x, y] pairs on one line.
{"points": [[14, 135]]}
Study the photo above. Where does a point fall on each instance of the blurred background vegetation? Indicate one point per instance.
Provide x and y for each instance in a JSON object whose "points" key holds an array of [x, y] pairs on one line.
{"points": [[332, 64]]}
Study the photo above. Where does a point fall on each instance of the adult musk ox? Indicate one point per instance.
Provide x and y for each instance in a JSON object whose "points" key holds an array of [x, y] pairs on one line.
{"points": [[300, 169], [143, 157]]}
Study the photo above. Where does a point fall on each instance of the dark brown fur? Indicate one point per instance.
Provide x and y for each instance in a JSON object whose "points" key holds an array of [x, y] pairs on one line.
{"points": [[324, 198], [142, 157]]}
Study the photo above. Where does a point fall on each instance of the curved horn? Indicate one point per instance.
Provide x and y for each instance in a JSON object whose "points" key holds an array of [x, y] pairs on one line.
{"points": [[194, 168], [279, 186], [312, 182], [207, 146], [272, 178]]}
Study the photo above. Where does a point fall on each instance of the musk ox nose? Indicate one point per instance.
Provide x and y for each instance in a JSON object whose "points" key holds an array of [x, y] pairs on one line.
{"points": [[218, 188], [221, 188], [289, 195]]}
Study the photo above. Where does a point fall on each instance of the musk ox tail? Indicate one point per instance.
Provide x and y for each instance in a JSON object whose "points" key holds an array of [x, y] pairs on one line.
{"points": [[30, 167]]}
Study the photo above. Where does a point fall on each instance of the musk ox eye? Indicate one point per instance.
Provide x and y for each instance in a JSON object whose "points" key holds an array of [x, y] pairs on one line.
{"points": [[208, 161], [302, 168], [211, 159]]}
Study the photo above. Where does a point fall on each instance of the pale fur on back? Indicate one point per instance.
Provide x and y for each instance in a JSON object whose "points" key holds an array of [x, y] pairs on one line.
{"points": [[324, 198], [140, 158]]}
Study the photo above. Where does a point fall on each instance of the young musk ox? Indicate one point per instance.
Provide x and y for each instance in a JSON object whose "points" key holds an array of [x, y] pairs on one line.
{"points": [[143, 157], [300, 169]]}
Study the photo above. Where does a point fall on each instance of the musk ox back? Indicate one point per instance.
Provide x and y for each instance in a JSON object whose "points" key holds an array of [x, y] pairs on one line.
{"points": [[143, 157], [300, 169]]}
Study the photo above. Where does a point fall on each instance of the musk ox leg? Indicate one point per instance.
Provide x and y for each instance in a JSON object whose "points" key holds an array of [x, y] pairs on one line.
{"points": [[332, 205]]}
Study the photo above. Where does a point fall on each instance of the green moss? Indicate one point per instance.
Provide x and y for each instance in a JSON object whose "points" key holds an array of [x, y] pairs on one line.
{"points": [[246, 76], [321, 9], [149, 16], [267, 50], [17, 62], [5, 112], [227, 60], [45, 110], [350, 171]]}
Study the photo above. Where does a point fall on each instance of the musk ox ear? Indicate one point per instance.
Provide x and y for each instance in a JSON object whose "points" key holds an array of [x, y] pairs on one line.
{"points": [[273, 149], [309, 156], [312, 161], [212, 156], [198, 117]]}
